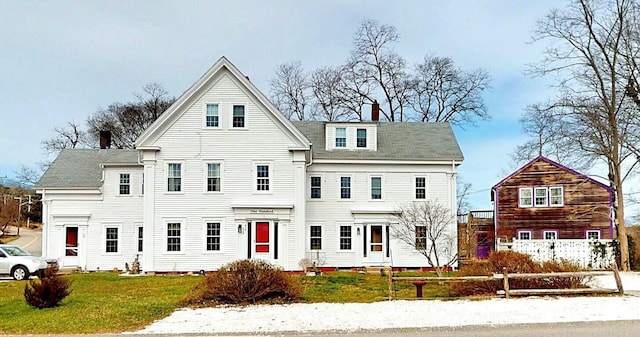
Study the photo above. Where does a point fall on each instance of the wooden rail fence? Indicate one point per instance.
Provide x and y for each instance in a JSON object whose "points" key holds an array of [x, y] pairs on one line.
{"points": [[419, 282]]}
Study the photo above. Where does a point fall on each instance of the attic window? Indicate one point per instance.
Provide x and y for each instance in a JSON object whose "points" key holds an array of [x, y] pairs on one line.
{"points": [[341, 137], [238, 116], [361, 139], [212, 115]]}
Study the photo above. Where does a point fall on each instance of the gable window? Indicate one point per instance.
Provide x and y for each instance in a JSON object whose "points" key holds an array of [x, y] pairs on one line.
{"points": [[556, 197], [421, 188], [593, 234], [262, 175], [111, 239], [345, 237], [421, 237], [173, 237], [125, 184], [540, 197], [174, 177], [361, 138], [524, 235], [212, 116], [550, 235], [376, 188], [345, 187], [341, 137], [525, 197], [238, 116], [316, 238], [140, 236], [213, 236], [316, 187], [213, 177]]}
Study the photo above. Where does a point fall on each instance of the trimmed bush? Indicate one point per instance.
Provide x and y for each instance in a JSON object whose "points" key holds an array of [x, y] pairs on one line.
{"points": [[516, 263], [246, 282], [48, 291]]}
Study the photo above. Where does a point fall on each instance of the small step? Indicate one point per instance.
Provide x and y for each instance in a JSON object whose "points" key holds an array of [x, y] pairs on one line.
{"points": [[380, 270]]}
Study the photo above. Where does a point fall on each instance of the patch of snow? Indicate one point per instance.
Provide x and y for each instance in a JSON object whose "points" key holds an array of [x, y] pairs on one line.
{"points": [[318, 317]]}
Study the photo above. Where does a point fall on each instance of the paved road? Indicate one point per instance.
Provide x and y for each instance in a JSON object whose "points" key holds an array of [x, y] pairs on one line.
{"points": [[29, 240], [581, 329]]}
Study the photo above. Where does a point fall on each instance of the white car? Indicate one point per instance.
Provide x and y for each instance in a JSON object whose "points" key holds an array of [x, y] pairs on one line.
{"points": [[20, 264]]}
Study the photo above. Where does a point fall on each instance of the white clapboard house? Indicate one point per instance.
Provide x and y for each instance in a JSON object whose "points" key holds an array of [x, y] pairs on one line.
{"points": [[222, 175]]}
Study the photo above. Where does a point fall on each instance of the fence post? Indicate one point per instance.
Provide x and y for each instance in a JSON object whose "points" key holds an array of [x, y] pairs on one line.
{"points": [[616, 274], [391, 285], [505, 282]]}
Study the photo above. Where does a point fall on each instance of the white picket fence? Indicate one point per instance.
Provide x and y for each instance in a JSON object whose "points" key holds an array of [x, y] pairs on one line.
{"points": [[597, 254]]}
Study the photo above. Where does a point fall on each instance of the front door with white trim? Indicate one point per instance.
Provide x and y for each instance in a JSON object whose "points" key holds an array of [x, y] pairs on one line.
{"points": [[263, 240], [71, 247], [376, 245]]}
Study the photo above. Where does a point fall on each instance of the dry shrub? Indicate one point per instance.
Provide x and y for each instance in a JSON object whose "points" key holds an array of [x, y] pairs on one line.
{"points": [[516, 263], [48, 291], [245, 282]]}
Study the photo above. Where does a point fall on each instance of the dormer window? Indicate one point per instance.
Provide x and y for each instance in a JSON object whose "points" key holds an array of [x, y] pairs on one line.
{"points": [[341, 137], [361, 138]]}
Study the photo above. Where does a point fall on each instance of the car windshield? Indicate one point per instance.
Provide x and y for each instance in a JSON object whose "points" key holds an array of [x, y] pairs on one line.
{"points": [[15, 251]]}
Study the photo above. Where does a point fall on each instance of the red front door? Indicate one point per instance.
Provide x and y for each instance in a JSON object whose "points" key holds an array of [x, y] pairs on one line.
{"points": [[71, 241], [262, 237]]}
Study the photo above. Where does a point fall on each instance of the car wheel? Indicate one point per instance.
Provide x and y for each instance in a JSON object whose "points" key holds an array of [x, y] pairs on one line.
{"points": [[20, 273]]}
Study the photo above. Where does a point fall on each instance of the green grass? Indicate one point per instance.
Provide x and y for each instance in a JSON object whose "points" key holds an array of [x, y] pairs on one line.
{"points": [[106, 302]]}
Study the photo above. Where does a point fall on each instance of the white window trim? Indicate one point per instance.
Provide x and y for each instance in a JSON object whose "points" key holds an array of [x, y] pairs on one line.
{"points": [[346, 138], [254, 177], [246, 114], [366, 138], [586, 234], [338, 237], [204, 236], [561, 196], [166, 176], [118, 194], [339, 196], [142, 183], [323, 239], [137, 227], [104, 238], [205, 169], [204, 116], [546, 189], [525, 231], [426, 186], [322, 187], [165, 235], [544, 234], [520, 204], [370, 183]]}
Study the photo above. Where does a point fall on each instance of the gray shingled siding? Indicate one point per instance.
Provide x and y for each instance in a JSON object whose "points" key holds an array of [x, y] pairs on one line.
{"points": [[80, 168], [396, 141]]}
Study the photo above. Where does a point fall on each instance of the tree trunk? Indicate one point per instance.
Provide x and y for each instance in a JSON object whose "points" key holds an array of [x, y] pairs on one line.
{"points": [[620, 224]]}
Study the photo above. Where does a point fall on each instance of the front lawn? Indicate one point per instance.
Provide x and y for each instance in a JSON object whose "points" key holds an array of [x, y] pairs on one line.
{"points": [[106, 302]]}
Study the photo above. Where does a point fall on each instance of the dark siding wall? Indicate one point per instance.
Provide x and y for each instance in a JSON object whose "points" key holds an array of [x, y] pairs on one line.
{"points": [[586, 205]]}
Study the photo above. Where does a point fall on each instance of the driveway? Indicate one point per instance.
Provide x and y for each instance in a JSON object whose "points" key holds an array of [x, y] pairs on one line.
{"points": [[29, 240]]}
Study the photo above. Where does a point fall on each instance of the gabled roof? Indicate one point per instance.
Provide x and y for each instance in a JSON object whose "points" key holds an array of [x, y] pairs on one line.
{"points": [[81, 168], [181, 105], [396, 141], [551, 162]]}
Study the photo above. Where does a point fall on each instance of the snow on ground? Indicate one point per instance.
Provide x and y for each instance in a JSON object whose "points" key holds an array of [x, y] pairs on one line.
{"points": [[318, 317]]}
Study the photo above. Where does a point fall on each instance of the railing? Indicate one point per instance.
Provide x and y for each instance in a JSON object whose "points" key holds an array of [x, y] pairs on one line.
{"points": [[597, 254]]}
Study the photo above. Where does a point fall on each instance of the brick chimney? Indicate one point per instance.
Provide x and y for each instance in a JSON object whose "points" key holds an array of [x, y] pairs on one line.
{"points": [[375, 111], [105, 139]]}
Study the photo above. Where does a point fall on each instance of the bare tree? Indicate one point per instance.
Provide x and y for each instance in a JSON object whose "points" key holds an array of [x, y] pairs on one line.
{"points": [[9, 212], [290, 91], [429, 228], [463, 190], [27, 176], [444, 93], [70, 136], [127, 121], [589, 53]]}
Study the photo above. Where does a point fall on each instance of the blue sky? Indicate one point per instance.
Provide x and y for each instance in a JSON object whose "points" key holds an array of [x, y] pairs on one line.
{"points": [[63, 60]]}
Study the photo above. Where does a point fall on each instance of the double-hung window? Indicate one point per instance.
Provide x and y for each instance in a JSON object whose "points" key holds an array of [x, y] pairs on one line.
{"points": [[213, 236], [540, 197], [550, 235], [140, 238], [421, 188], [345, 237], [341, 137], [315, 238], [238, 116], [525, 197], [212, 118], [556, 197], [524, 235], [173, 236], [316, 187], [421, 237], [376, 188], [262, 176], [593, 234], [125, 184], [174, 177], [361, 138], [111, 239], [213, 177], [345, 187]]}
